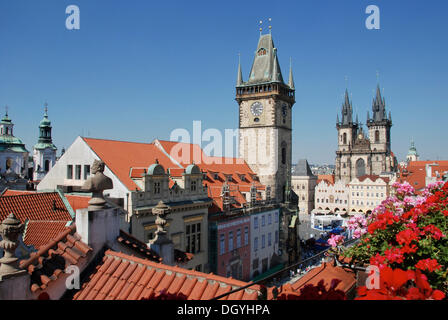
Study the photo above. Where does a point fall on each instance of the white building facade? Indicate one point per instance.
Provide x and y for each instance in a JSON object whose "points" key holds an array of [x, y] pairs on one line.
{"points": [[264, 240]]}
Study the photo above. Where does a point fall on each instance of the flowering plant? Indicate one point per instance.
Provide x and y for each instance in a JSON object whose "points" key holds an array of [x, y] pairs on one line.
{"points": [[408, 232], [399, 284]]}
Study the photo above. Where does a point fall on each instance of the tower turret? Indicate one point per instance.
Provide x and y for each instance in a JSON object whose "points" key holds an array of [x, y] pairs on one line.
{"points": [[44, 155]]}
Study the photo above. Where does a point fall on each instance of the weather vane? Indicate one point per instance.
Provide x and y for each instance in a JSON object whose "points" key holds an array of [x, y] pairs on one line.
{"points": [[6, 110]]}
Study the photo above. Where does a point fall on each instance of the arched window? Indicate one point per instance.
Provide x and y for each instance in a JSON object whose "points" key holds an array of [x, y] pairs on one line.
{"points": [[47, 165], [360, 168], [344, 138], [284, 153], [377, 136]]}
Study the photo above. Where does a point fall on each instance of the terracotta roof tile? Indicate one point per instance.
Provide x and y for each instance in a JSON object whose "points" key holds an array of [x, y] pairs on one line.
{"points": [[45, 206], [326, 272], [121, 156], [51, 259], [127, 277], [39, 233]]}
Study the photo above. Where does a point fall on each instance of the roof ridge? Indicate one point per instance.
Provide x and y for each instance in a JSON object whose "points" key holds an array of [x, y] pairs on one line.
{"points": [[176, 269], [115, 140]]}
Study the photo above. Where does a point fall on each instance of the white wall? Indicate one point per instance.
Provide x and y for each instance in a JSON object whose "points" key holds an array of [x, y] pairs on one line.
{"points": [[79, 153]]}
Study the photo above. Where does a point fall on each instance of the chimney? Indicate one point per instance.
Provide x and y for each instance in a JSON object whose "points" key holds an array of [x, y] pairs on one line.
{"points": [[14, 282], [161, 243], [99, 224]]}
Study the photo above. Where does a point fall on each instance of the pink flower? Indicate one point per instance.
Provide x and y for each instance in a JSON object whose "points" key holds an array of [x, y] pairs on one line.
{"points": [[335, 240]]}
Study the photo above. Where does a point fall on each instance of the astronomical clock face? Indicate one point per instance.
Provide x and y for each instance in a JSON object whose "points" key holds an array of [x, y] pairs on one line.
{"points": [[256, 109]]}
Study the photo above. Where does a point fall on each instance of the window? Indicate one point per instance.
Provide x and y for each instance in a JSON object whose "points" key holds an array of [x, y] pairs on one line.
{"points": [[246, 236], [86, 172], [222, 244], [377, 136], [70, 171], [255, 264], [283, 155], [344, 138], [263, 241], [78, 172], [156, 187], [276, 216], [269, 239], [256, 223], [193, 238], [276, 236], [230, 240], [193, 185], [47, 165], [238, 238], [256, 244], [263, 221], [269, 219]]}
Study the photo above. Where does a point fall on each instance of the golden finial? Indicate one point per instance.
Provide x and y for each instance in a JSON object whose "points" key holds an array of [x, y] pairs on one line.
{"points": [[261, 29], [270, 27]]}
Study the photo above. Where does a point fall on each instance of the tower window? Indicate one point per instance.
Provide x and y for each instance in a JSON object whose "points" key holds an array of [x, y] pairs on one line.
{"points": [[47, 165], [344, 138], [377, 136], [261, 52]]}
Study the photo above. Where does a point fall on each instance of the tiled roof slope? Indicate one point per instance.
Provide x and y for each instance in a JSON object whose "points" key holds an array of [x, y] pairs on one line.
{"points": [[39, 233], [373, 178], [415, 173], [35, 206], [326, 272], [50, 261], [224, 167], [77, 202], [124, 277], [121, 156]]}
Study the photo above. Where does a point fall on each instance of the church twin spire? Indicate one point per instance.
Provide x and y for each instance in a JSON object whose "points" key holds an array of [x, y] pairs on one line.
{"points": [[378, 108]]}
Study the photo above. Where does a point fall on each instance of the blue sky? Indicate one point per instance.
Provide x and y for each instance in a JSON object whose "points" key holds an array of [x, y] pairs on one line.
{"points": [[136, 70]]}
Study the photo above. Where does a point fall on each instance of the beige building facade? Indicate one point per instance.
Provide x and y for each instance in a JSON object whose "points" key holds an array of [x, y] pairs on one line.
{"points": [[303, 183], [265, 118]]}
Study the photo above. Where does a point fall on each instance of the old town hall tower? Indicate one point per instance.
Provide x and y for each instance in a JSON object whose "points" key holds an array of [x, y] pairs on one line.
{"points": [[358, 154], [265, 120]]}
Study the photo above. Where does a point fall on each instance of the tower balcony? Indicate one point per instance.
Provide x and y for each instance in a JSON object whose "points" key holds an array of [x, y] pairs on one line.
{"points": [[255, 91]]}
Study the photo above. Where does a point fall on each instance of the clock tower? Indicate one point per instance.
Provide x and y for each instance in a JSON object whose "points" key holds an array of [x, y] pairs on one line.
{"points": [[265, 119]]}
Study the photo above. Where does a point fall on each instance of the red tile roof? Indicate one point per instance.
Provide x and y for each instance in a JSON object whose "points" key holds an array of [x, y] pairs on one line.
{"points": [[329, 178], [124, 277], [373, 178], [121, 156], [39, 233], [326, 272], [415, 173], [77, 202], [35, 206], [51, 260]]}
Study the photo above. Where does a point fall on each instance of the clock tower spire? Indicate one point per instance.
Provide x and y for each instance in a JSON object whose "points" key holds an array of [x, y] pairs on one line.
{"points": [[265, 121]]}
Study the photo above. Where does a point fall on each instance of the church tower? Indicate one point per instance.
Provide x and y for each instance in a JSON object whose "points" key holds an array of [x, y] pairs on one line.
{"points": [[379, 135], [347, 134], [265, 120], [44, 155]]}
